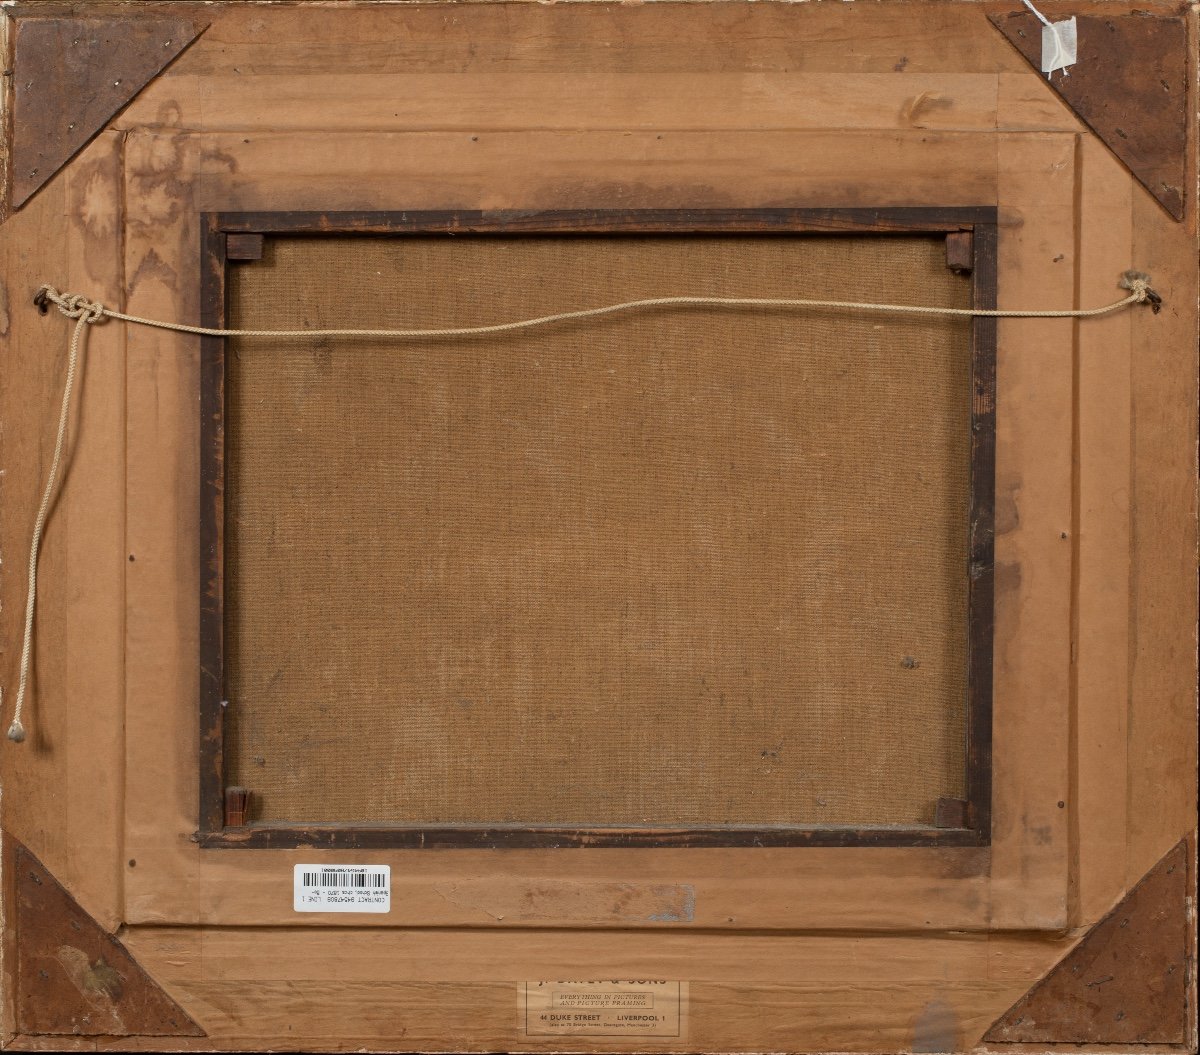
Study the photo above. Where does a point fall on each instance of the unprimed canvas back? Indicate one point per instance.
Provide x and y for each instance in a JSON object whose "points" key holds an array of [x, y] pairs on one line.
{"points": [[673, 567]]}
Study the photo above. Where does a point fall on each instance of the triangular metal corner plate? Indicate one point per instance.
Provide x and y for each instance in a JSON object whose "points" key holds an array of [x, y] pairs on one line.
{"points": [[71, 76], [1129, 86], [1125, 982], [71, 976]]}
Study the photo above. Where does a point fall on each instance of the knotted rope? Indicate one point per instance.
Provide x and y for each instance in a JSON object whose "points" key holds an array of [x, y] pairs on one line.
{"points": [[87, 312], [1135, 281], [73, 306]]}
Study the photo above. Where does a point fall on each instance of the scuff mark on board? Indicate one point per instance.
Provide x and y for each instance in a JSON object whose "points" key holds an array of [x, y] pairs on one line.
{"points": [[688, 913], [1008, 512], [93, 980], [936, 1028], [914, 111], [567, 901], [1008, 578]]}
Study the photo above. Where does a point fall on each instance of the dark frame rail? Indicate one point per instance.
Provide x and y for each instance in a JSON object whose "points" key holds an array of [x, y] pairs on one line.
{"points": [[227, 236]]}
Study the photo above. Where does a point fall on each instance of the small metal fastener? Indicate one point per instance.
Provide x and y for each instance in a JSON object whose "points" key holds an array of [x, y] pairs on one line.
{"points": [[1153, 299], [42, 301]]}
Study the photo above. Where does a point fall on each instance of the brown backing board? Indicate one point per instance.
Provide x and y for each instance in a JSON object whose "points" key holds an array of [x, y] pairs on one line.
{"points": [[279, 833], [669, 105]]}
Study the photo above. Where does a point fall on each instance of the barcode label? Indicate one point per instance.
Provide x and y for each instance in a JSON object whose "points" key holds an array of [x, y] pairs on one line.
{"points": [[355, 880], [342, 888]]}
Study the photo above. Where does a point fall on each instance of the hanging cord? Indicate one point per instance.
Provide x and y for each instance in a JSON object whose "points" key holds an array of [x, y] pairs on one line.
{"points": [[76, 306], [1135, 281]]}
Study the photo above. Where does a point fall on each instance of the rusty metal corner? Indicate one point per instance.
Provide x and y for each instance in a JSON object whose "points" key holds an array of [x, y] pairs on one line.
{"points": [[1126, 982], [1129, 86], [71, 76], [69, 976]]}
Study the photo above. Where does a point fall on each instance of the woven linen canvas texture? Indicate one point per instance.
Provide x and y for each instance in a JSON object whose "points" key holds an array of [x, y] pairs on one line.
{"points": [[676, 567]]}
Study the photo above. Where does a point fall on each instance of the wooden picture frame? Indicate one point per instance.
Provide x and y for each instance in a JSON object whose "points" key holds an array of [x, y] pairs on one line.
{"points": [[972, 828], [135, 920]]}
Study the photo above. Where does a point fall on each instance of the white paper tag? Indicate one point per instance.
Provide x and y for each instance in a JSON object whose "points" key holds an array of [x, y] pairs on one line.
{"points": [[342, 888], [1063, 53]]}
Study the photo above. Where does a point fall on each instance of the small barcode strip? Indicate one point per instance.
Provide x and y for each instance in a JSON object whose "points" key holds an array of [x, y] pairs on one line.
{"points": [[358, 880]]}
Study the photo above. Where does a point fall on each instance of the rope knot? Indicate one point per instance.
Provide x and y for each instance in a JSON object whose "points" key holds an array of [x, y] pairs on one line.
{"points": [[72, 305], [1138, 283], [77, 306]]}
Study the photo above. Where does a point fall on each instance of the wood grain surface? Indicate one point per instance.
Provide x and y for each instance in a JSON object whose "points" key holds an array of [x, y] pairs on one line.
{"points": [[592, 106]]}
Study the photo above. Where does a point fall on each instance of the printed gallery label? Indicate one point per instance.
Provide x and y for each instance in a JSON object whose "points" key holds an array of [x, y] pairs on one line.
{"points": [[603, 1008], [342, 888]]}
